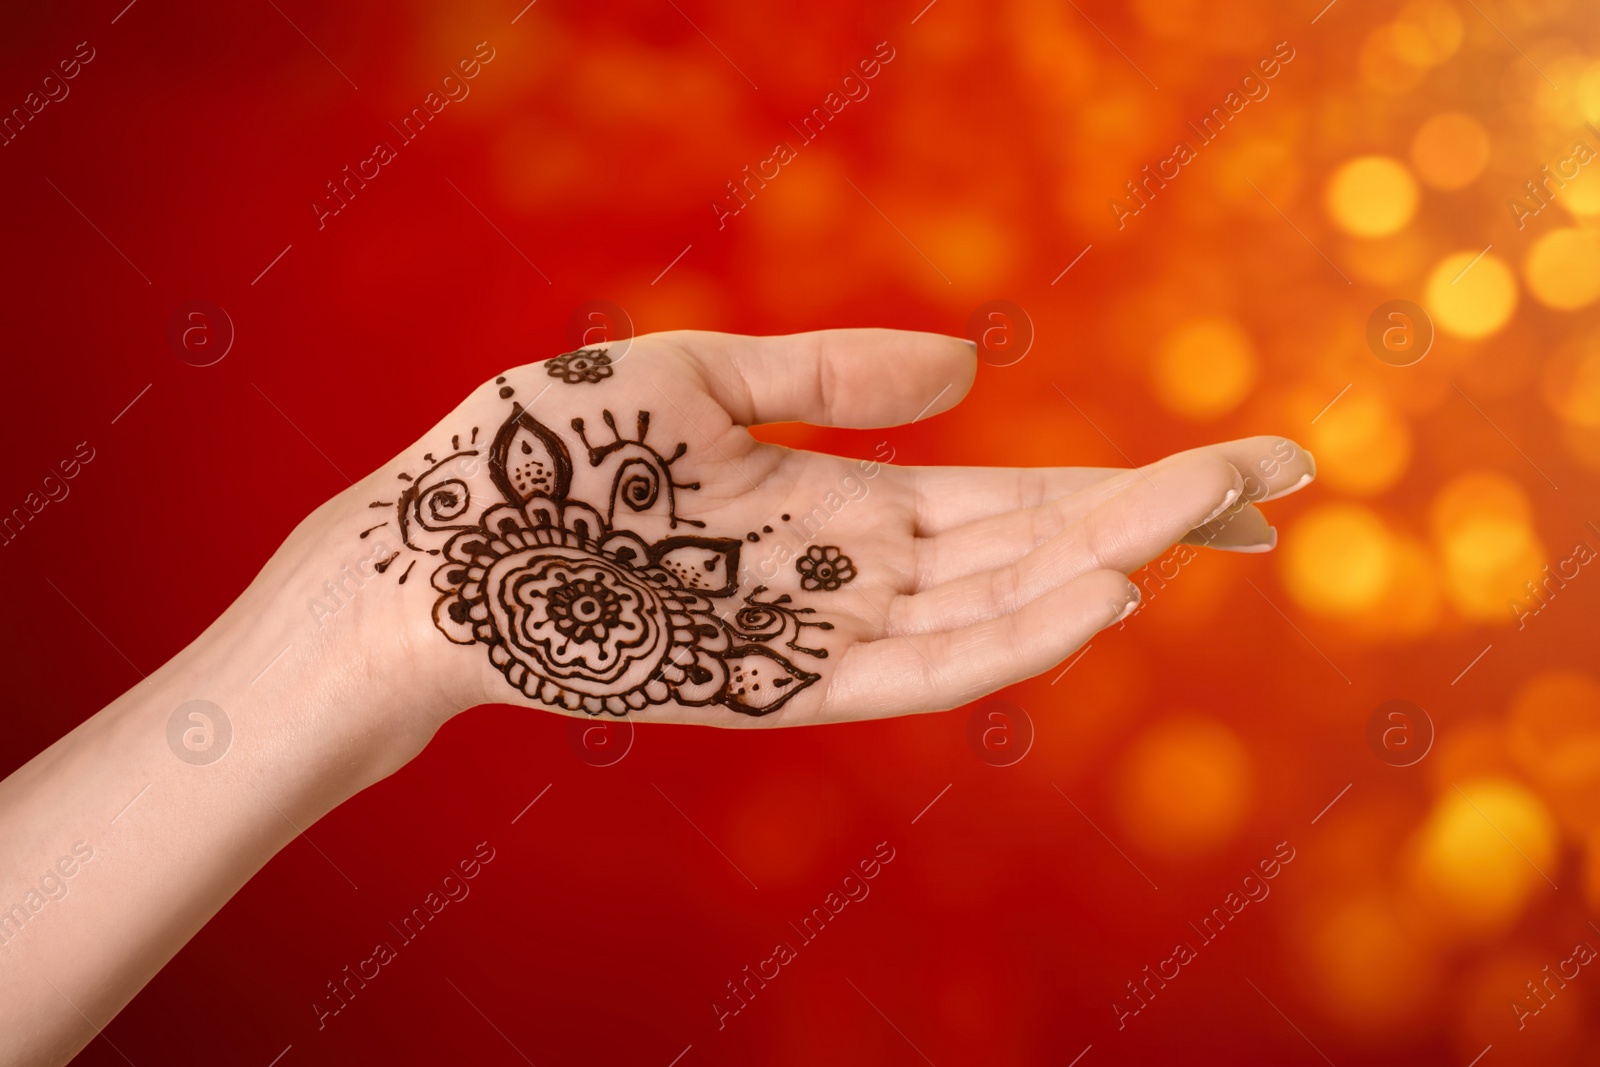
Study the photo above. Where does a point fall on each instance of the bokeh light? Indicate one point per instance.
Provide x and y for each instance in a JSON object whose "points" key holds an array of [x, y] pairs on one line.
{"points": [[1369, 968], [1481, 855], [1563, 268], [1362, 444], [1471, 294], [1372, 196], [1570, 384], [1204, 368], [1338, 561], [1428, 32], [1450, 150], [1185, 786], [1555, 727], [1425, 564], [1482, 531]]}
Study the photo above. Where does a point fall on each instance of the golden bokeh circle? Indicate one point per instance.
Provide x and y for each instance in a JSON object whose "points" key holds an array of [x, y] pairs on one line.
{"points": [[1563, 268], [1370, 970], [1371, 196], [1482, 854], [1204, 368], [1337, 560], [1471, 294], [1425, 33], [1361, 443]]}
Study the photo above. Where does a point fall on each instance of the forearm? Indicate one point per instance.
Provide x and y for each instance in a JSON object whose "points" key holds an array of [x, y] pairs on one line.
{"points": [[166, 826]]}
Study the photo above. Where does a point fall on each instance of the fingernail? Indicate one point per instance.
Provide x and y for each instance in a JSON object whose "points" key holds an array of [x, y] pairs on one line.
{"points": [[1131, 606], [1305, 480], [970, 343], [1227, 502], [1261, 546]]}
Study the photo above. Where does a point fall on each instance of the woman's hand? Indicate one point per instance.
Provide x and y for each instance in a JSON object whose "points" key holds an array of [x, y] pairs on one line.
{"points": [[600, 534]]}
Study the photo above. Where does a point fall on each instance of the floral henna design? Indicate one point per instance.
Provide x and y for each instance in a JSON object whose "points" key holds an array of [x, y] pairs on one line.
{"points": [[585, 365], [823, 567], [575, 581]]}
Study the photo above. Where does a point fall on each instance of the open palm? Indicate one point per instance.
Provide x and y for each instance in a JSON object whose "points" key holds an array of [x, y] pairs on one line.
{"points": [[604, 536]]}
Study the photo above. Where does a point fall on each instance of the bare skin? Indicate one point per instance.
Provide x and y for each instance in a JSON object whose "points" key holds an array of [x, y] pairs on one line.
{"points": [[961, 581]]}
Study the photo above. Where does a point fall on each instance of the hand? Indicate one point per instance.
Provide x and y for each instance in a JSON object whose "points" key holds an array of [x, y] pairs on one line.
{"points": [[600, 534]]}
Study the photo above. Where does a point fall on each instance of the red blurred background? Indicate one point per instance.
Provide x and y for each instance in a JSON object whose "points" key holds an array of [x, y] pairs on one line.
{"points": [[1228, 723]]}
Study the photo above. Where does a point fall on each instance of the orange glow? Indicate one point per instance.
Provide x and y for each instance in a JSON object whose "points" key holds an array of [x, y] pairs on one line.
{"points": [[1450, 150], [1483, 854], [1185, 786], [1369, 969], [1563, 268], [1375, 166], [1362, 444], [1338, 561], [1555, 726], [1205, 368], [1486, 544], [1471, 294], [1372, 196], [1427, 32]]}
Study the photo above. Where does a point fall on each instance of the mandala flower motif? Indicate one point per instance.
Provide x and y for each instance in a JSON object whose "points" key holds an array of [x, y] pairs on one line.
{"points": [[824, 567], [574, 617], [585, 365]]}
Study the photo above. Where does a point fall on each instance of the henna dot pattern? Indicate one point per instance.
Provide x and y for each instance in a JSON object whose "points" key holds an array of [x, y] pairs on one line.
{"points": [[824, 567], [592, 603]]}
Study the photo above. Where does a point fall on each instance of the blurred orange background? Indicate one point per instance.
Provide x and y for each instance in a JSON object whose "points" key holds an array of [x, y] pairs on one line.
{"points": [[1445, 863]]}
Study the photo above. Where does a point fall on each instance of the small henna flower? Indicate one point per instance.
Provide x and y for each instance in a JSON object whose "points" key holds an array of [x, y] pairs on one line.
{"points": [[823, 567], [585, 365]]}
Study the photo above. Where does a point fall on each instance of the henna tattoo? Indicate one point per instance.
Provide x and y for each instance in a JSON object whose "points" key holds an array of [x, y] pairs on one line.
{"points": [[769, 620], [644, 476], [574, 580], [527, 460], [824, 567], [436, 501], [585, 365]]}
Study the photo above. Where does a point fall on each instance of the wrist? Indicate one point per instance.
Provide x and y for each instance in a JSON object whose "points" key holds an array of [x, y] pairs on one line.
{"points": [[322, 653]]}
